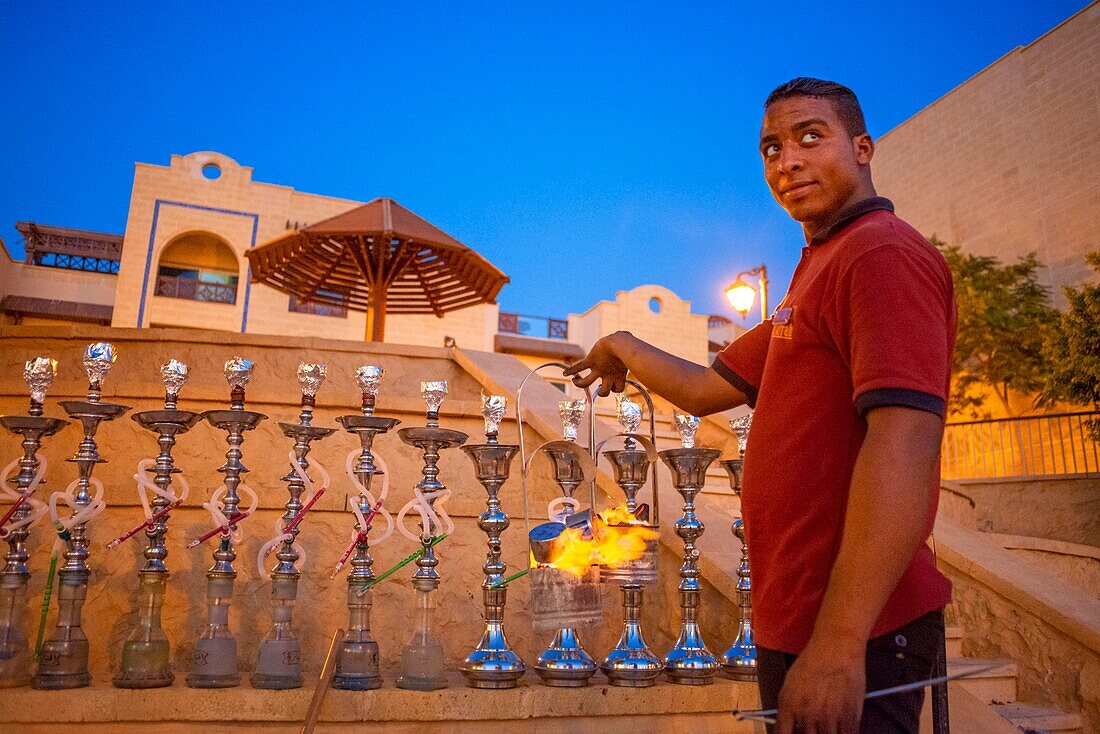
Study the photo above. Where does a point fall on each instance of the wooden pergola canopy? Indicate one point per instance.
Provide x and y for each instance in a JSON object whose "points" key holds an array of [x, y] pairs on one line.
{"points": [[377, 258]]}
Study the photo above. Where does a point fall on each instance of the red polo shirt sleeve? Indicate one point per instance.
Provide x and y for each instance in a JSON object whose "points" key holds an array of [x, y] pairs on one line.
{"points": [[741, 362], [895, 318]]}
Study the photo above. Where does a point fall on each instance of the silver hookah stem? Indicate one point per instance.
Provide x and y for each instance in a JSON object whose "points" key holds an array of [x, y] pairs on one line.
{"points": [[38, 373], [310, 379], [98, 359], [739, 660], [174, 375], [238, 372]]}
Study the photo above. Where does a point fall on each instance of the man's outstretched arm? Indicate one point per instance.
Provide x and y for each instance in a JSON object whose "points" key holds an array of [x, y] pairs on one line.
{"points": [[691, 387], [884, 524]]}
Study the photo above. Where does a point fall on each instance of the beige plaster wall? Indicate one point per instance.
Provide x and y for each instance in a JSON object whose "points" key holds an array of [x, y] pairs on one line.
{"points": [[999, 164], [674, 328], [223, 207], [36, 281], [321, 608]]}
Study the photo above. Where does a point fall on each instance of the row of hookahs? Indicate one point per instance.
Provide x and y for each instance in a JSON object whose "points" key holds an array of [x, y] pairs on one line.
{"points": [[571, 553]]}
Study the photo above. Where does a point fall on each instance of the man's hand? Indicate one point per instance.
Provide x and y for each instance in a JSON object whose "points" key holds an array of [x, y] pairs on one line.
{"points": [[602, 364], [824, 689]]}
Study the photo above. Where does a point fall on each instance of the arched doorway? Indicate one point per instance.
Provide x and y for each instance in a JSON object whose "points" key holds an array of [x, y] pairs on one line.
{"points": [[198, 266]]}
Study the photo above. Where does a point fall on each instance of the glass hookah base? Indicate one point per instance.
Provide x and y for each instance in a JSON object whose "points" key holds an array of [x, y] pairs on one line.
{"points": [[50, 682], [416, 683], [201, 680], [357, 666], [356, 682], [276, 682], [15, 664], [422, 668], [145, 664], [62, 664], [215, 663]]}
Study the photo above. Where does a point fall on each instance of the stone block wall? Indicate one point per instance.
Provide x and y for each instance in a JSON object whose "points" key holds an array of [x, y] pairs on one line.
{"points": [[1001, 165], [110, 613]]}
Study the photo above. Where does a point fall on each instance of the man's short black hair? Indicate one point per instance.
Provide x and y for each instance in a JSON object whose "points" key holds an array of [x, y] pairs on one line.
{"points": [[843, 100]]}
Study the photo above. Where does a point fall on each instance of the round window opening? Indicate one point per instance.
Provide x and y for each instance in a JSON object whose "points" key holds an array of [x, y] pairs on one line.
{"points": [[211, 171], [655, 305]]}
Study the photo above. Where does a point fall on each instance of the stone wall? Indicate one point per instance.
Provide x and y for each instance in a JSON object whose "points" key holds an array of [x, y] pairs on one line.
{"points": [[110, 613], [1000, 165], [1070, 507], [1010, 609]]}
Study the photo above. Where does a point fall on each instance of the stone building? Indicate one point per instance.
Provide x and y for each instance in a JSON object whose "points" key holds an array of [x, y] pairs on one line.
{"points": [[1005, 163], [181, 264]]}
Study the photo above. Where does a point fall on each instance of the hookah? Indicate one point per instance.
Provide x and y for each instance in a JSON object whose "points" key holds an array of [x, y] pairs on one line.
{"points": [[145, 654], [493, 663], [631, 663], [279, 665], [739, 660], [559, 600], [422, 656], [356, 666], [214, 660], [63, 658], [689, 662], [15, 655]]}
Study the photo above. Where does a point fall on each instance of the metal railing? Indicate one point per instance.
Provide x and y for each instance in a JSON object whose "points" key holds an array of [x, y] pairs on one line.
{"points": [[1032, 446], [195, 290], [536, 326]]}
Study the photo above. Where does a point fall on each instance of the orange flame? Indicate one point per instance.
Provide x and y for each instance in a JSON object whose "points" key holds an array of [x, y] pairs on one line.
{"points": [[617, 538]]}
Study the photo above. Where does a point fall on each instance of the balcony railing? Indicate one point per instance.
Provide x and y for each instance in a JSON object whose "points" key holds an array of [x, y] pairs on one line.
{"points": [[195, 290], [541, 327], [1033, 446]]}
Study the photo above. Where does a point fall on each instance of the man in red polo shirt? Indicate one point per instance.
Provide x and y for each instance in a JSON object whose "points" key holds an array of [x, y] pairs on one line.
{"points": [[849, 379]]}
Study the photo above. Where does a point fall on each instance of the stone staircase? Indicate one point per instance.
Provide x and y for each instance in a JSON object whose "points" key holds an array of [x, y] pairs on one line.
{"points": [[717, 505], [997, 688]]}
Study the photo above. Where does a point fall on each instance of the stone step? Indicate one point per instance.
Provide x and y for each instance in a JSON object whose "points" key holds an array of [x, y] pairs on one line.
{"points": [[1039, 720], [997, 685]]}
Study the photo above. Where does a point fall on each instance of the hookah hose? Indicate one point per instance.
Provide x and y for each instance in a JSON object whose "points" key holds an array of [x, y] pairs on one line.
{"points": [[46, 604], [144, 487], [358, 534], [283, 533], [38, 508], [398, 566]]}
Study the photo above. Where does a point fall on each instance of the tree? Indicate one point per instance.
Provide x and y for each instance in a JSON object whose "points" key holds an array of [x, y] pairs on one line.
{"points": [[1073, 350], [1003, 317]]}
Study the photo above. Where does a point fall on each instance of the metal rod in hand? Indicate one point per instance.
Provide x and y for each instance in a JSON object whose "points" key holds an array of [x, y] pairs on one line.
{"points": [[399, 565], [314, 711], [768, 715], [225, 528], [510, 579]]}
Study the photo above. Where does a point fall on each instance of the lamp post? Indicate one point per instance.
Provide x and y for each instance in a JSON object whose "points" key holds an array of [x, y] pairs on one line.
{"points": [[741, 294]]}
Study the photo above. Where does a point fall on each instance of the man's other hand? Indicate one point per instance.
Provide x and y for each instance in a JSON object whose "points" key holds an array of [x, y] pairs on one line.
{"points": [[823, 691], [602, 364]]}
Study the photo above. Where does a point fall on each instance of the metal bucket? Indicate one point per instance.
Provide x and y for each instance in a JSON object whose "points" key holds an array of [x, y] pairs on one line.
{"points": [[642, 570], [561, 599]]}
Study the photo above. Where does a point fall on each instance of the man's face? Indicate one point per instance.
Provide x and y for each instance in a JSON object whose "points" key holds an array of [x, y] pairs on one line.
{"points": [[813, 167]]}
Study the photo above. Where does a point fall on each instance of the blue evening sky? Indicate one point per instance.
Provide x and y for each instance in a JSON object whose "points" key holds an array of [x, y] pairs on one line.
{"points": [[584, 148]]}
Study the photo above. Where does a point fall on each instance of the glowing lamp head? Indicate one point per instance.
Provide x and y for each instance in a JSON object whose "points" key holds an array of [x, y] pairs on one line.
{"points": [[741, 296]]}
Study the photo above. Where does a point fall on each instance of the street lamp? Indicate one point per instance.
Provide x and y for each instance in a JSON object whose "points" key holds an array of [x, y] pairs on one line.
{"points": [[741, 294]]}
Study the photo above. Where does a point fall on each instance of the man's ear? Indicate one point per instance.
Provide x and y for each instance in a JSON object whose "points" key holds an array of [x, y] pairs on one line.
{"points": [[864, 148]]}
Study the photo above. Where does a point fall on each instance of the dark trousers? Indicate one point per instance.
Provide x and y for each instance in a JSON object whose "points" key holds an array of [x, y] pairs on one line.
{"points": [[906, 655]]}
